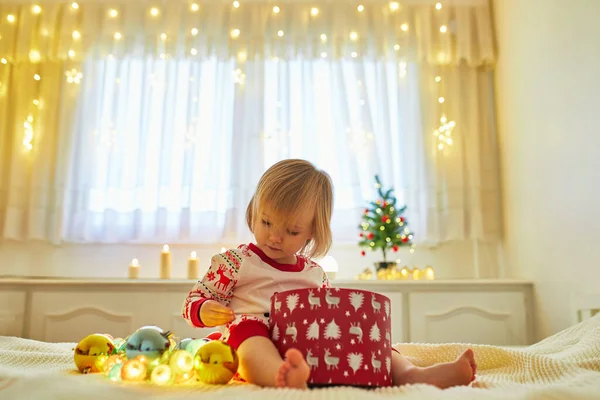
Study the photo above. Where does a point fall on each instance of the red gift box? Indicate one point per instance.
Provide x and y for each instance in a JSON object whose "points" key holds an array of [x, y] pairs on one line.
{"points": [[344, 334]]}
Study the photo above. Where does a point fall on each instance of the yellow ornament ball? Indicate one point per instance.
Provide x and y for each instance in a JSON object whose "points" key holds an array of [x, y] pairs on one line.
{"points": [[216, 362], [92, 352]]}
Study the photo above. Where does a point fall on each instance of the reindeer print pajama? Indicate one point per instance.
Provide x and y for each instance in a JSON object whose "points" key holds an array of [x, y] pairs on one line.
{"points": [[244, 279]]}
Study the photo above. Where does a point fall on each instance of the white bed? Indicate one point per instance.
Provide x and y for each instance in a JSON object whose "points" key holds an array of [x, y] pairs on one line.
{"points": [[566, 366]]}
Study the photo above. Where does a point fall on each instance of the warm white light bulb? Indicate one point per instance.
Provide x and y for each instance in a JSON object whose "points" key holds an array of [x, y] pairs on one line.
{"points": [[396, 47], [113, 13], [280, 33], [193, 52], [76, 35], [438, 79], [323, 55], [3, 61], [163, 36], [75, 6], [194, 7], [353, 35], [34, 56], [314, 11], [154, 11], [360, 8], [276, 9], [404, 27], [438, 6], [36, 9], [443, 119], [235, 33], [441, 100], [117, 36], [10, 18], [236, 4], [194, 31], [323, 37], [394, 6], [37, 77], [354, 54], [443, 29]]}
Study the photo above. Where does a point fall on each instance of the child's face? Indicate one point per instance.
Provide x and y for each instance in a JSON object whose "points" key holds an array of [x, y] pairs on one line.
{"points": [[279, 239]]}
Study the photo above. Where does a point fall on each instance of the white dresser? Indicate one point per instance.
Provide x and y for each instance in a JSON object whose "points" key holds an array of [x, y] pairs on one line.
{"points": [[497, 312]]}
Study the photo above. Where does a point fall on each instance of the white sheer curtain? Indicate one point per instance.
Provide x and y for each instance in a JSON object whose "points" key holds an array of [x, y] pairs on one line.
{"points": [[170, 150], [180, 108]]}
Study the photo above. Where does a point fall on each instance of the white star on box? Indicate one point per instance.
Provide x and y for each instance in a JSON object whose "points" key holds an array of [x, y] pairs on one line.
{"points": [[364, 316], [284, 315], [284, 342], [337, 346], [352, 341], [347, 313], [322, 320], [385, 345], [383, 319], [301, 305], [366, 367], [345, 373], [379, 352], [305, 322], [337, 289]]}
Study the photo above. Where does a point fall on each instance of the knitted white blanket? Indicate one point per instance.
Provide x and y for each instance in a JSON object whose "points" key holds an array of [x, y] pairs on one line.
{"points": [[563, 366]]}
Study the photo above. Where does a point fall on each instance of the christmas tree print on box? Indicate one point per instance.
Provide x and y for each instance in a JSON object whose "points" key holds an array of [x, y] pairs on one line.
{"points": [[344, 334]]}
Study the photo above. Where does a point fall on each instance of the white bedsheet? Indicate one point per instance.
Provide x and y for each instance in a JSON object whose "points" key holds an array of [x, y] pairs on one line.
{"points": [[564, 366]]}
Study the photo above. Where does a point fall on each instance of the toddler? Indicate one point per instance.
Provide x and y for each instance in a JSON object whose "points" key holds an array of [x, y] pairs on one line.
{"points": [[289, 215]]}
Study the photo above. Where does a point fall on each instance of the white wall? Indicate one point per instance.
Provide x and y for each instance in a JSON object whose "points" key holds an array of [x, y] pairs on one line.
{"points": [[548, 103]]}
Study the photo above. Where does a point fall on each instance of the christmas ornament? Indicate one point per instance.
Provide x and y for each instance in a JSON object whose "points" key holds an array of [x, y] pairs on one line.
{"points": [[120, 344], [183, 343], [216, 362], [112, 361], [92, 353], [193, 346], [149, 341], [114, 374], [134, 370], [162, 375], [181, 362]]}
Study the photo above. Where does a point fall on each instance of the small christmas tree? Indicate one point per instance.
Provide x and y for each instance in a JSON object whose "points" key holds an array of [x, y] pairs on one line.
{"points": [[384, 225]]}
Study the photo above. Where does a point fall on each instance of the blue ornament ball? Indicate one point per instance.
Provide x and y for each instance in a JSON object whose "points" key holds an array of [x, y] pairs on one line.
{"points": [[183, 343], [149, 341], [193, 346]]}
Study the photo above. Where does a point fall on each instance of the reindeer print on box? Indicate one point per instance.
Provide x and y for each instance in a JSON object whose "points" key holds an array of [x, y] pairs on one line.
{"points": [[344, 334]]}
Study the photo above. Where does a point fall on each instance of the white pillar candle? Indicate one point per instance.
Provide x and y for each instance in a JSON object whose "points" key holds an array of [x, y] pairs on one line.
{"points": [[165, 262], [134, 269], [193, 266]]}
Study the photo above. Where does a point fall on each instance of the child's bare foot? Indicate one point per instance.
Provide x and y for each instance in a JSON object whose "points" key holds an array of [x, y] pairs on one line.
{"points": [[460, 372], [294, 371]]}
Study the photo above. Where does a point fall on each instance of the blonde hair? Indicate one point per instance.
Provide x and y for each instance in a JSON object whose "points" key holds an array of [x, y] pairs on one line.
{"points": [[289, 187]]}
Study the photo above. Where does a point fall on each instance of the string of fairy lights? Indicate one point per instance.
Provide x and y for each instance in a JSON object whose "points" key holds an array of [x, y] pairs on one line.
{"points": [[443, 133]]}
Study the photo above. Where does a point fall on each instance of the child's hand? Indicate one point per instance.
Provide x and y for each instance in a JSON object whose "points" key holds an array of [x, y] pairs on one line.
{"points": [[213, 313]]}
